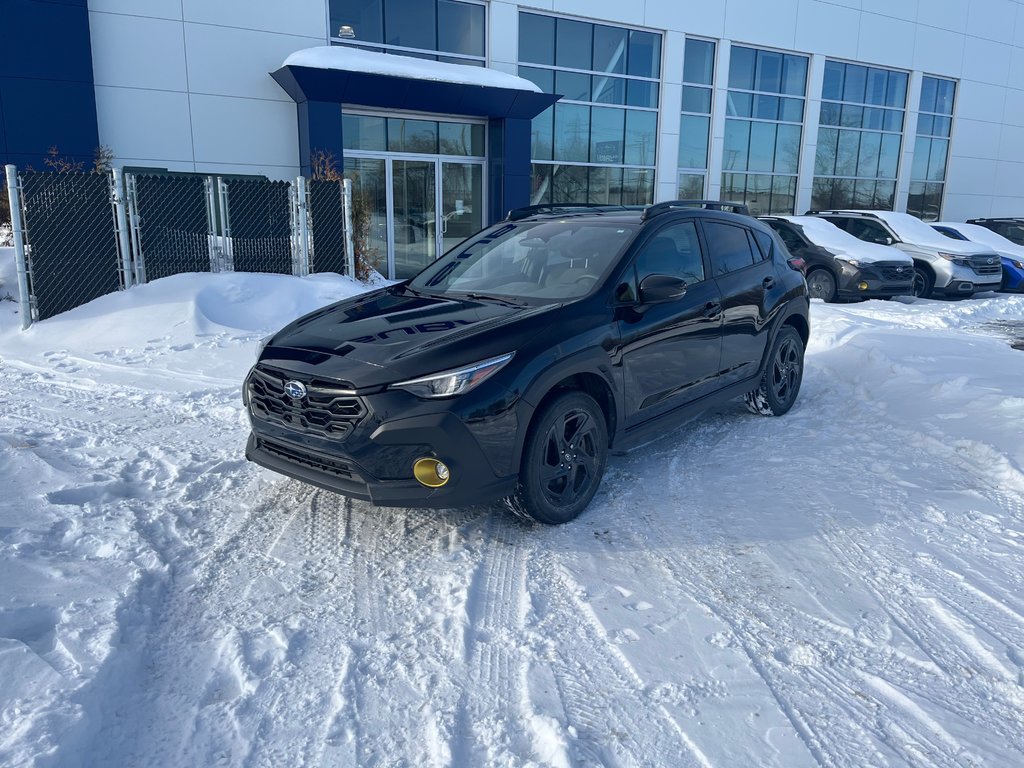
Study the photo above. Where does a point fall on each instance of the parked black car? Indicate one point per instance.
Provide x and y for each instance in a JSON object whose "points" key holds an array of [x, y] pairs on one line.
{"points": [[840, 266], [510, 367]]}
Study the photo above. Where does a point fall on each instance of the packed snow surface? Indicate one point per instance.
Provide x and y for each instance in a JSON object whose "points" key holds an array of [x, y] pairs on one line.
{"points": [[356, 60], [840, 586]]}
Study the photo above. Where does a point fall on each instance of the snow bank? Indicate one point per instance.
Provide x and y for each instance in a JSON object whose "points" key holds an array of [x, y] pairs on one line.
{"points": [[341, 57], [8, 274]]}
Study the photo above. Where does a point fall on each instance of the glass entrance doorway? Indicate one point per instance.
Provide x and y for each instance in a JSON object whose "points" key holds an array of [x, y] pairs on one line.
{"points": [[424, 196]]}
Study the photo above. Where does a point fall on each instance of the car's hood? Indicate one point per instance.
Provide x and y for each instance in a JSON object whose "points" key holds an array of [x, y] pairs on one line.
{"points": [[393, 334]]}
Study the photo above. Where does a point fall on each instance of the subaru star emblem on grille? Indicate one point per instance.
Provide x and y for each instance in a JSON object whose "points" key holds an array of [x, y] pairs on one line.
{"points": [[296, 390], [991, 261]]}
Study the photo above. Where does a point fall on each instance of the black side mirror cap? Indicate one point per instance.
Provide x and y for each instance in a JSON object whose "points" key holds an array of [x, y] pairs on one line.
{"points": [[655, 289]]}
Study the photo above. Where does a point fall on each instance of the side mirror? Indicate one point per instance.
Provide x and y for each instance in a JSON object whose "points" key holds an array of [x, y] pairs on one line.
{"points": [[656, 289], [888, 240]]}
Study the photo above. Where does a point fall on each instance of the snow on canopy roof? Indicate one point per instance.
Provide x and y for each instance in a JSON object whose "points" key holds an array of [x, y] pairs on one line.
{"points": [[344, 58]]}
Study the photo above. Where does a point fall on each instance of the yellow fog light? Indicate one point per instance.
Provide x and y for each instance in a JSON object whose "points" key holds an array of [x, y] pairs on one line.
{"points": [[862, 286], [431, 472]]}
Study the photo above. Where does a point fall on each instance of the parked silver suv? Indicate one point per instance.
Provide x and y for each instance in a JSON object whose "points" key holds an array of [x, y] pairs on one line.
{"points": [[942, 267]]}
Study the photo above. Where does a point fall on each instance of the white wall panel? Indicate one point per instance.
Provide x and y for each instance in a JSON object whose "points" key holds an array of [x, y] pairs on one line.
{"points": [[992, 19], [895, 9], [971, 176], [1013, 111], [986, 61], [137, 52], [1008, 179], [886, 41], [976, 138], [236, 62], [980, 101], [244, 131], [706, 19], [145, 125], [755, 21], [157, 9], [830, 29], [294, 17], [938, 51], [946, 14]]}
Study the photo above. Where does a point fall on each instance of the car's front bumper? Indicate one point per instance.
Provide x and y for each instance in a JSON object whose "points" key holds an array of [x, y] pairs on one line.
{"points": [[872, 282], [1013, 279]]}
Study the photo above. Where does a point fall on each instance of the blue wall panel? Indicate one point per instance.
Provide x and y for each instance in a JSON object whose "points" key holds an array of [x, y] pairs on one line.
{"points": [[46, 82]]}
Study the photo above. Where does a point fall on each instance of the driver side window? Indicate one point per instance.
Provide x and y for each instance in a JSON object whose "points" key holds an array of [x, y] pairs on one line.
{"points": [[675, 251], [869, 231]]}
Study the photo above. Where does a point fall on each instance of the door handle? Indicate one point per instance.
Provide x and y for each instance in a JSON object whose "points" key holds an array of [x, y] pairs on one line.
{"points": [[712, 309], [768, 282]]}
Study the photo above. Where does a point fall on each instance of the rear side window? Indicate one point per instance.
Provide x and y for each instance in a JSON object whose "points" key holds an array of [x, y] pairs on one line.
{"points": [[790, 238], [729, 248], [764, 243]]}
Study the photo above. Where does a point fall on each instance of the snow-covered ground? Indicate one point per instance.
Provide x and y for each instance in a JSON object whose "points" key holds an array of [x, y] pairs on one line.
{"points": [[840, 586]]}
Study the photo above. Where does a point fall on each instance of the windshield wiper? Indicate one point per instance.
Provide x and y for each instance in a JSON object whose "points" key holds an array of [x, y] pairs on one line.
{"points": [[491, 297]]}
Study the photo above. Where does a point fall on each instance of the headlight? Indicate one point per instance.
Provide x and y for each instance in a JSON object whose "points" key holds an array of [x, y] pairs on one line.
{"points": [[960, 261], [263, 345], [1018, 264], [855, 263], [454, 382]]}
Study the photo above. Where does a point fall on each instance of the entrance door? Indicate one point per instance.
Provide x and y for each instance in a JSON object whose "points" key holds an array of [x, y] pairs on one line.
{"points": [[422, 207]]}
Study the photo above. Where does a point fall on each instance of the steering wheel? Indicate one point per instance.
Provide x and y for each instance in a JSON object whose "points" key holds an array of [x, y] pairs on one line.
{"points": [[582, 280]]}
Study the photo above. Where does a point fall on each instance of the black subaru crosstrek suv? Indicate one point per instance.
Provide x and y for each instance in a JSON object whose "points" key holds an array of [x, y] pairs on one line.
{"points": [[511, 366]]}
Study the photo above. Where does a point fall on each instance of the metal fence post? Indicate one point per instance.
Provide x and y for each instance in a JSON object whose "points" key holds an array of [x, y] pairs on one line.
{"points": [[228, 263], [19, 247], [303, 213], [121, 223], [134, 234], [346, 201]]}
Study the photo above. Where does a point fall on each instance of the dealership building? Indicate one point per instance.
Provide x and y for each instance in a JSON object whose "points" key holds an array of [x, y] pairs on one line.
{"points": [[446, 113]]}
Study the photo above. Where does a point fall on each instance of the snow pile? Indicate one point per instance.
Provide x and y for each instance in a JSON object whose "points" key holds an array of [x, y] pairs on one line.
{"points": [[840, 586], [347, 59], [8, 274]]}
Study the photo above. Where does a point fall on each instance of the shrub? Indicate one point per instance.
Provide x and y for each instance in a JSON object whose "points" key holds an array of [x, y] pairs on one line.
{"points": [[324, 167]]}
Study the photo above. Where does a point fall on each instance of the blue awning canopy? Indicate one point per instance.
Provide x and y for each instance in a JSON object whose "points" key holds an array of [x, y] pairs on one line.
{"points": [[351, 76]]}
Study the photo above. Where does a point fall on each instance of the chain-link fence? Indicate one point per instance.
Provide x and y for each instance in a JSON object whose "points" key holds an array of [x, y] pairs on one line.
{"points": [[79, 236], [70, 239]]}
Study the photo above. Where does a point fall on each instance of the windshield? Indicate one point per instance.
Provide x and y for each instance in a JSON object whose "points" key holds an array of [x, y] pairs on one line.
{"points": [[547, 260]]}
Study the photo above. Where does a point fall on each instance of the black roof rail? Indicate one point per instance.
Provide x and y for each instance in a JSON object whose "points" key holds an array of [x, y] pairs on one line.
{"points": [[838, 211], [711, 205], [1014, 219], [517, 214]]}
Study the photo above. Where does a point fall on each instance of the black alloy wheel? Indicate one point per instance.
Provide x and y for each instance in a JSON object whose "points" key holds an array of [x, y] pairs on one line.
{"points": [[780, 383], [563, 460], [923, 284], [821, 285]]}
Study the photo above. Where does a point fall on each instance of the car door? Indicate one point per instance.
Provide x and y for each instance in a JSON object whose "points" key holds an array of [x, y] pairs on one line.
{"points": [[670, 351], [748, 287]]}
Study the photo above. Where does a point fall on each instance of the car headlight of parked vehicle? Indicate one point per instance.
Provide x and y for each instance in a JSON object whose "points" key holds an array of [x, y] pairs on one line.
{"points": [[263, 345], [1018, 264], [960, 261], [454, 382], [853, 264]]}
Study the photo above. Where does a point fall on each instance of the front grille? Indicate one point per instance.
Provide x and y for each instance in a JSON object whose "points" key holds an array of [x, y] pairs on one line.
{"points": [[328, 464], [982, 267], [328, 408], [904, 275]]}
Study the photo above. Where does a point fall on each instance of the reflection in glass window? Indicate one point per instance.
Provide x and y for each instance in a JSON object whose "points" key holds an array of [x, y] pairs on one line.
{"points": [[695, 121], [368, 133], [931, 148], [597, 144], [859, 137], [763, 127], [420, 28]]}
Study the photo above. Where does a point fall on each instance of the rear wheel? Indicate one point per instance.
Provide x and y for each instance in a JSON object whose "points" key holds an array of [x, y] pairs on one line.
{"points": [[780, 383], [563, 460], [821, 285]]}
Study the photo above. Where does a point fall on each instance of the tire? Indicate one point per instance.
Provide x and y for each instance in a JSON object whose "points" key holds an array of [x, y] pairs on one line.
{"points": [[924, 283], [781, 381], [821, 284], [549, 492]]}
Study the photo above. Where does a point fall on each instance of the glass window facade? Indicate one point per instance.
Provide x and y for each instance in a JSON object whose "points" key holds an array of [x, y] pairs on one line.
{"points": [[369, 133], [931, 149], [598, 143], [763, 129], [859, 137], [695, 121], [442, 30]]}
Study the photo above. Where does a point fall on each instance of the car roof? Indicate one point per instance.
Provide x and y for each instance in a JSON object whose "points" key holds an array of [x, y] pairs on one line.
{"points": [[634, 213]]}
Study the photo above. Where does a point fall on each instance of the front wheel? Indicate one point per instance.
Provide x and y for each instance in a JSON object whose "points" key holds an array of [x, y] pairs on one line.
{"points": [[780, 383], [924, 283], [563, 460], [821, 285]]}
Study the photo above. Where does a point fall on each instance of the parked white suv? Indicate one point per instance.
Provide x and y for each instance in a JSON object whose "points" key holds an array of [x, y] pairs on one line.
{"points": [[942, 267]]}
